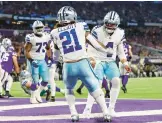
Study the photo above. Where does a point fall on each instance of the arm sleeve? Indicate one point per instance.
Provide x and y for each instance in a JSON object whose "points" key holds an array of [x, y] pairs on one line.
{"points": [[28, 39], [53, 40], [96, 44]]}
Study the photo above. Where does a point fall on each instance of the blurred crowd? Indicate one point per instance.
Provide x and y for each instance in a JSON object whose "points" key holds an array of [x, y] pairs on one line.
{"points": [[131, 11], [146, 36]]}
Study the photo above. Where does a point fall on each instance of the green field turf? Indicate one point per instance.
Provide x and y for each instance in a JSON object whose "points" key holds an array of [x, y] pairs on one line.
{"points": [[143, 88]]}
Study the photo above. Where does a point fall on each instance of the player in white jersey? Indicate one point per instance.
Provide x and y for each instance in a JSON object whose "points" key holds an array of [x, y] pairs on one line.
{"points": [[70, 38], [112, 37], [35, 51], [52, 64]]}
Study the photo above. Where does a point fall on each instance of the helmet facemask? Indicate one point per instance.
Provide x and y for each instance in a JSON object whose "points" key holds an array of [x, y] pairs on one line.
{"points": [[38, 30], [110, 27]]}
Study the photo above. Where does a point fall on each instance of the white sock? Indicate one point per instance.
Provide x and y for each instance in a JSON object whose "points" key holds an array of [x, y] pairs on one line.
{"points": [[100, 99], [51, 80], [9, 83], [71, 102], [114, 92], [62, 91], [90, 102], [45, 88]]}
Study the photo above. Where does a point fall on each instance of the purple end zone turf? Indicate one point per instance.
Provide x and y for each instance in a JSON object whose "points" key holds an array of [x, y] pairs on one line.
{"points": [[122, 106]]}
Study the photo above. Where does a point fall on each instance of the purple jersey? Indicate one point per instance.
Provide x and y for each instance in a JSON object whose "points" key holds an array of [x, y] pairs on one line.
{"points": [[7, 61], [126, 50], [10, 49]]}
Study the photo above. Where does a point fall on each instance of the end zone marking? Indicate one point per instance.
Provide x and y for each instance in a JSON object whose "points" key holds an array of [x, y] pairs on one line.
{"points": [[68, 116]]}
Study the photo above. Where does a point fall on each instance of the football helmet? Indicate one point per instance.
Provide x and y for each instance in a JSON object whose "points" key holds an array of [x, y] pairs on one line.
{"points": [[66, 14], [111, 21], [6, 42], [38, 27]]}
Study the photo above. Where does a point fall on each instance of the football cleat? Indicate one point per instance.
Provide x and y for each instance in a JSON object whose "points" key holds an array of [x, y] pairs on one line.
{"points": [[52, 98], [79, 91], [111, 112], [75, 118], [48, 95], [124, 89], [107, 118], [1, 96], [11, 95], [6, 95]]}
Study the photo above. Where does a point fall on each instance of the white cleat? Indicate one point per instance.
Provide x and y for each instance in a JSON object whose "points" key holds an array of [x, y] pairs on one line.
{"points": [[107, 118], [111, 112], [87, 113], [33, 100]]}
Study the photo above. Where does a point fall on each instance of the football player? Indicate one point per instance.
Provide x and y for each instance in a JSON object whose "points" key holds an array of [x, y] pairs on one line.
{"points": [[26, 81], [9, 62], [123, 72], [52, 64], [35, 51], [112, 37], [70, 38]]}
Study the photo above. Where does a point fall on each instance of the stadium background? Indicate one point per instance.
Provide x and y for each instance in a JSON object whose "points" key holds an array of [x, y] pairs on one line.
{"points": [[142, 22]]}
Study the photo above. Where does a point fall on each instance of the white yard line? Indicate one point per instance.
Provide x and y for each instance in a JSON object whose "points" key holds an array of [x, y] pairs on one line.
{"points": [[58, 103], [67, 116]]}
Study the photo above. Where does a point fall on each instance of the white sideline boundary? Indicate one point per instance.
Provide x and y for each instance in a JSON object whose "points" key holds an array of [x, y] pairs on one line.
{"points": [[67, 116]]}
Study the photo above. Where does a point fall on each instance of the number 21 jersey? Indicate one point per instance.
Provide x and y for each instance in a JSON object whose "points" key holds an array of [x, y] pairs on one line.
{"points": [[71, 41]]}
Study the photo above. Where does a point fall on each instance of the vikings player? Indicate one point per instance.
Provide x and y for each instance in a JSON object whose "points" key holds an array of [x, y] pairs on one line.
{"points": [[9, 62], [123, 72], [35, 51], [112, 37], [70, 38]]}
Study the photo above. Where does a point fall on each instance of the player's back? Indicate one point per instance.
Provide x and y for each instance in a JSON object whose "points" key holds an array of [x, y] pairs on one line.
{"points": [[39, 44], [7, 61], [71, 41]]}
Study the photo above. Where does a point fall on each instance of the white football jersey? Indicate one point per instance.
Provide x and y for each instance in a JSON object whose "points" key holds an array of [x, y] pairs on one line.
{"points": [[2, 50], [39, 44], [55, 52], [71, 41], [114, 42]]}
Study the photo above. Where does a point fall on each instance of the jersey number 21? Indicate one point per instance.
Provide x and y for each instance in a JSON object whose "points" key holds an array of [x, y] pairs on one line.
{"points": [[67, 46]]}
